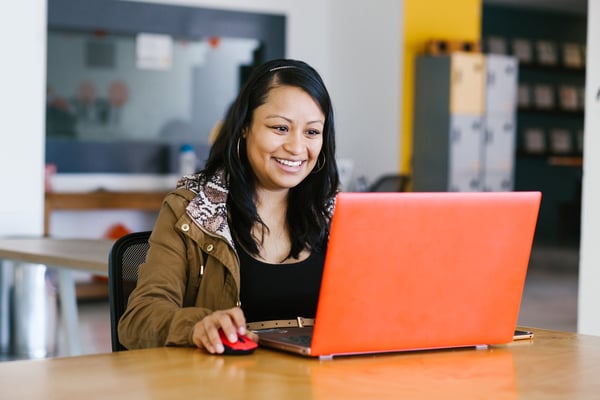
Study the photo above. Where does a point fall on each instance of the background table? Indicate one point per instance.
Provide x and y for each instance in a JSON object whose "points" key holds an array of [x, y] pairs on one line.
{"points": [[553, 365], [99, 200], [89, 255]]}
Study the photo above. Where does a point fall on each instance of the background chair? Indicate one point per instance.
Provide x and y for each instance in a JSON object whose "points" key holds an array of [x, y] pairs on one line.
{"points": [[390, 183], [124, 260]]}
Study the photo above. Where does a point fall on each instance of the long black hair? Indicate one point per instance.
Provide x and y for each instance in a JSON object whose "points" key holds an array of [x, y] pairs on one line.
{"points": [[307, 202]]}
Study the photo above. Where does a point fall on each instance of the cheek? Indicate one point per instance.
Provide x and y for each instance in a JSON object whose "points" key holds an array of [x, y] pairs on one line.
{"points": [[315, 149], [255, 148], [261, 142]]}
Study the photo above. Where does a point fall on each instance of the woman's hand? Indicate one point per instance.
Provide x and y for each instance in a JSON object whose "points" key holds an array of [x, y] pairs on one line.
{"points": [[231, 321]]}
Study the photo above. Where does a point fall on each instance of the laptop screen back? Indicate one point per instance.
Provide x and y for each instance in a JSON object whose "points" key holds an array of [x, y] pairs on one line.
{"points": [[409, 271]]}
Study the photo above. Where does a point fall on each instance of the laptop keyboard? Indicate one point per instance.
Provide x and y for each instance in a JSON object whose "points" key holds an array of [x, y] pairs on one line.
{"points": [[302, 340]]}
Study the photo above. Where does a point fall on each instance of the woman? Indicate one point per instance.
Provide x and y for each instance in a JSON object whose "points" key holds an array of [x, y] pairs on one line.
{"points": [[244, 239]]}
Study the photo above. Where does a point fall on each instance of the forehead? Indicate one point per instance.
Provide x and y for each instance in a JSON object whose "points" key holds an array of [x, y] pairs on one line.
{"points": [[292, 99]]}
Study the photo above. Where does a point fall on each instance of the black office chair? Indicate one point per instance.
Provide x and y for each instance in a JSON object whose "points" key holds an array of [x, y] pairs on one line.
{"points": [[390, 183], [124, 260]]}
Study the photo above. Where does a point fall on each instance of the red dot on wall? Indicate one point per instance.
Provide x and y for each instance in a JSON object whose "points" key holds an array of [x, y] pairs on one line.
{"points": [[214, 41]]}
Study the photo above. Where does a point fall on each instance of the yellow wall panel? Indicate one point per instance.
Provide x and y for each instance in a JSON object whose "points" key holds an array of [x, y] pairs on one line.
{"points": [[425, 20]]}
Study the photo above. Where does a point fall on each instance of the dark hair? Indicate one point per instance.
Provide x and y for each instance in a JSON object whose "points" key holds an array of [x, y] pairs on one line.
{"points": [[307, 216]]}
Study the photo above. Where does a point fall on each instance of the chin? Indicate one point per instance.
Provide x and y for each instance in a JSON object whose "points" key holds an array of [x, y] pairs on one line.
{"points": [[290, 183]]}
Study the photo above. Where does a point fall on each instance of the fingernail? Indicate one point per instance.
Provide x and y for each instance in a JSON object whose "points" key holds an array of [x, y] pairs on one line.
{"points": [[242, 330], [233, 338], [220, 348]]}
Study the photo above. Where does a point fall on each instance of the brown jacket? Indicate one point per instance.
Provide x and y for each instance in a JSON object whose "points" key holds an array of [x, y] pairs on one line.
{"points": [[191, 268]]}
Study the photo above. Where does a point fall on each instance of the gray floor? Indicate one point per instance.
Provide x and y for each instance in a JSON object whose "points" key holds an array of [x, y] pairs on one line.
{"points": [[549, 300]]}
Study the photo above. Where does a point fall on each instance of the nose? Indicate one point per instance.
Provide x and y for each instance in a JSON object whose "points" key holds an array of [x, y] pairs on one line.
{"points": [[294, 142]]}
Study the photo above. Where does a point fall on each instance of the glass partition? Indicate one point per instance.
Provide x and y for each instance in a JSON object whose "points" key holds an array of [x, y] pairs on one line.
{"points": [[100, 88], [129, 82]]}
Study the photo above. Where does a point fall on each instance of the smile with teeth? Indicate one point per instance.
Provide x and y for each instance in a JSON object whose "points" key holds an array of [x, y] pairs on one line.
{"points": [[289, 163]]}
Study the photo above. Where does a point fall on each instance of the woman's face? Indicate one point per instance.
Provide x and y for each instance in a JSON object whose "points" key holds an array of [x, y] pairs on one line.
{"points": [[285, 138]]}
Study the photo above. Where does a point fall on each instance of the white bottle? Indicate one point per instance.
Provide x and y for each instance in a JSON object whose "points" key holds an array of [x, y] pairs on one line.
{"points": [[187, 160]]}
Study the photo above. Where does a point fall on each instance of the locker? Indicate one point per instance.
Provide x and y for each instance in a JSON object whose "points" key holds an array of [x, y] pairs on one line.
{"points": [[464, 163], [498, 153], [501, 85], [467, 85], [464, 125]]}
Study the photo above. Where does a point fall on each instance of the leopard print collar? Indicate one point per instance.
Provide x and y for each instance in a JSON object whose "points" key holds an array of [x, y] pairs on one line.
{"points": [[208, 209]]}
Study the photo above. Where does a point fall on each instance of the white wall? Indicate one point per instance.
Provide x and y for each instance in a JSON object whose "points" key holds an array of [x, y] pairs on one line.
{"points": [[588, 321], [366, 67], [22, 110]]}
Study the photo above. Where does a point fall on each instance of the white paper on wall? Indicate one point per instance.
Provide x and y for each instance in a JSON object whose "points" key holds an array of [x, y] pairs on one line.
{"points": [[154, 51]]}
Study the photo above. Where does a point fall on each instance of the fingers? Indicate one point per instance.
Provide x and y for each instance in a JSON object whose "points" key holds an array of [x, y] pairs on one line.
{"points": [[252, 336], [239, 321], [206, 332]]}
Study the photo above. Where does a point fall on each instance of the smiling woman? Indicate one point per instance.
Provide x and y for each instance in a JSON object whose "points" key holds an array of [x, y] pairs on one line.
{"points": [[130, 82], [246, 236]]}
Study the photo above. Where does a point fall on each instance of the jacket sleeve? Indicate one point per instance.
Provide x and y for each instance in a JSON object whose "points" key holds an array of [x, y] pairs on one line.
{"points": [[155, 314]]}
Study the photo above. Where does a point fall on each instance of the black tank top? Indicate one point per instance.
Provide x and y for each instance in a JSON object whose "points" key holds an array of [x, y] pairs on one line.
{"points": [[280, 291]]}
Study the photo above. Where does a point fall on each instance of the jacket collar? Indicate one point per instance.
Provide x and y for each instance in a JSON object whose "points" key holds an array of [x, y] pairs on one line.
{"points": [[208, 209]]}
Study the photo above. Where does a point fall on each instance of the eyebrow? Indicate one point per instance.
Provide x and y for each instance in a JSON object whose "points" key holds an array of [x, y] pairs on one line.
{"points": [[317, 121]]}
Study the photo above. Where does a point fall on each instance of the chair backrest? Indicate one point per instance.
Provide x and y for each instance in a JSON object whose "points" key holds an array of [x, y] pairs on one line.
{"points": [[124, 260], [390, 183]]}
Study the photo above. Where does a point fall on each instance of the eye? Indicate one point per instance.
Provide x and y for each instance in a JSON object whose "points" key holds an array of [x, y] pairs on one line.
{"points": [[280, 128], [313, 132]]}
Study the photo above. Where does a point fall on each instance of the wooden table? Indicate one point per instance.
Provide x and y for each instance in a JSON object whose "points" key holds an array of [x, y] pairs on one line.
{"points": [[554, 365], [89, 255]]}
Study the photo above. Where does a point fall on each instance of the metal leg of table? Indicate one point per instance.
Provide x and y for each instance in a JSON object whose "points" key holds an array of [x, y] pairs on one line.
{"points": [[69, 316], [6, 283]]}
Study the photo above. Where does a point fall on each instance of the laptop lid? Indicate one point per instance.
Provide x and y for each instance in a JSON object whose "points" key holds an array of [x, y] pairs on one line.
{"points": [[411, 271]]}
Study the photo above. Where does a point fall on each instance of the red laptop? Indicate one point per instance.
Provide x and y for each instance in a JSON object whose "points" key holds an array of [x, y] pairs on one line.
{"points": [[414, 271]]}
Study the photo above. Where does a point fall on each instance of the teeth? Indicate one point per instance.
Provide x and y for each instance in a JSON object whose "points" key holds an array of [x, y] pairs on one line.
{"points": [[289, 163]]}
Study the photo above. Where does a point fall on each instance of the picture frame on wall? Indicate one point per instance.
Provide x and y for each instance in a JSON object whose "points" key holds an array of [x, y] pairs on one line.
{"points": [[522, 50], [523, 95], [535, 140], [543, 96], [560, 141], [572, 57], [546, 52], [496, 45], [569, 98]]}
